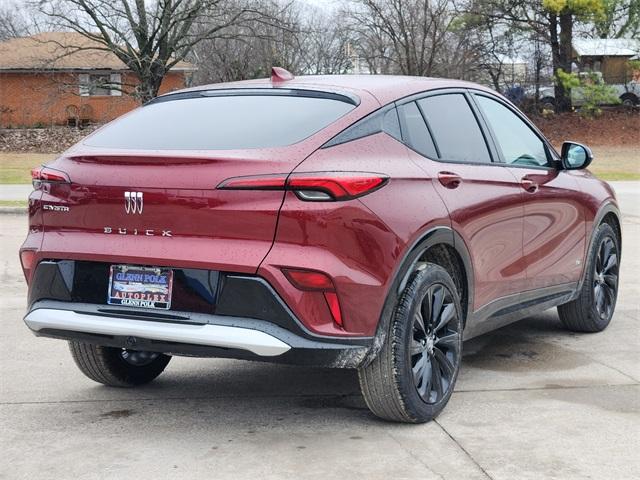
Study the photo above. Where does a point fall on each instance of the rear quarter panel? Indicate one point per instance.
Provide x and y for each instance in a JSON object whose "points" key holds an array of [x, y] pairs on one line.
{"points": [[360, 242]]}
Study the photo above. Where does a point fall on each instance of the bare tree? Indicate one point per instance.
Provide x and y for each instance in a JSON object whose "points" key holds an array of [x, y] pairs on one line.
{"points": [[326, 43], [299, 37], [15, 21], [250, 48], [620, 19], [404, 36], [149, 37]]}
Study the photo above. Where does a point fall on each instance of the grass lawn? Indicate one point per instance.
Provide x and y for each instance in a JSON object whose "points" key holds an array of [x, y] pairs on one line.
{"points": [[616, 163], [16, 167], [13, 203], [610, 163]]}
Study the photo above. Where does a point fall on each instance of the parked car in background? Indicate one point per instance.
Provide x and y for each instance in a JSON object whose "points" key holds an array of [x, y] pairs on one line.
{"points": [[367, 222], [627, 94]]}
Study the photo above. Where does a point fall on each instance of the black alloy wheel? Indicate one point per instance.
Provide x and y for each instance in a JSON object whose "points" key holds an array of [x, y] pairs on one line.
{"points": [[413, 376], [593, 307], [605, 278], [138, 358], [434, 355]]}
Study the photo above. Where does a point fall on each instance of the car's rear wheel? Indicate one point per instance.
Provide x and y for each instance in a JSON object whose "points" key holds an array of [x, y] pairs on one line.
{"points": [[117, 367], [414, 374], [548, 104], [629, 100], [593, 309]]}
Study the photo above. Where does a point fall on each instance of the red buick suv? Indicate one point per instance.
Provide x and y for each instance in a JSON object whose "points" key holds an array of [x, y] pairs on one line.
{"points": [[367, 222]]}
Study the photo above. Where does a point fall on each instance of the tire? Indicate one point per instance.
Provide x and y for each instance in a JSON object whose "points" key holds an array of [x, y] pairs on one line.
{"points": [[401, 383], [117, 367], [548, 103], [593, 309], [629, 100]]}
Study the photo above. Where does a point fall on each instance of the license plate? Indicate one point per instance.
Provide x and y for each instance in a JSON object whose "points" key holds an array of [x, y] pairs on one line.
{"points": [[146, 287]]}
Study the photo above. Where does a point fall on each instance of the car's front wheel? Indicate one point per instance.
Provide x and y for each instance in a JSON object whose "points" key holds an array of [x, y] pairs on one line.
{"points": [[117, 367], [593, 309], [414, 374]]}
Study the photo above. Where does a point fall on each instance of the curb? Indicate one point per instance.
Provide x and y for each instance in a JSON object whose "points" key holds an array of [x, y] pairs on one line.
{"points": [[13, 210]]}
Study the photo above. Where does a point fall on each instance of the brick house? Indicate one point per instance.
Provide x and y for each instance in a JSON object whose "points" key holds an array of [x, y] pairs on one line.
{"points": [[56, 78]]}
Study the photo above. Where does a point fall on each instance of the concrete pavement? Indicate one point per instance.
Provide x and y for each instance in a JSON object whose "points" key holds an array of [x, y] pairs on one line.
{"points": [[14, 192], [533, 401]]}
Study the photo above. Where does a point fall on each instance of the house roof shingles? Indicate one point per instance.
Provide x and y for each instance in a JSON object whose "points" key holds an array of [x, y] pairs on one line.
{"points": [[62, 51]]}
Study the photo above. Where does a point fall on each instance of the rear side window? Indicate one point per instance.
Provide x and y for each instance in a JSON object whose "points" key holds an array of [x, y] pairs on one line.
{"points": [[221, 123], [455, 129], [415, 131], [384, 120]]}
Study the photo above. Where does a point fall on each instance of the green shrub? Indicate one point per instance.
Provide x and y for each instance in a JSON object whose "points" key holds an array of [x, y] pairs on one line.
{"points": [[596, 93], [593, 90]]}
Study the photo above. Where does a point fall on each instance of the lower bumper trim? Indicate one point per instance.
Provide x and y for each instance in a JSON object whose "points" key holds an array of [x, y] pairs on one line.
{"points": [[254, 341]]}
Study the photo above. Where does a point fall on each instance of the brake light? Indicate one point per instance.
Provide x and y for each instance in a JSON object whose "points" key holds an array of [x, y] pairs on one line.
{"points": [[42, 175], [27, 259], [313, 281], [343, 187], [315, 186]]}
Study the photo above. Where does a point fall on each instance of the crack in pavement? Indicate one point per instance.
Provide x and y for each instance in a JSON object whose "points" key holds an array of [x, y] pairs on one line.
{"points": [[412, 455], [476, 463]]}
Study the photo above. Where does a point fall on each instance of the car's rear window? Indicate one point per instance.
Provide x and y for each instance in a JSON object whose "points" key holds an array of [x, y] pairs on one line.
{"points": [[222, 122]]}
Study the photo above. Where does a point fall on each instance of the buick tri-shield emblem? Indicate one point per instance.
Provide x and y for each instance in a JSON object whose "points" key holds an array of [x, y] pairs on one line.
{"points": [[133, 202]]}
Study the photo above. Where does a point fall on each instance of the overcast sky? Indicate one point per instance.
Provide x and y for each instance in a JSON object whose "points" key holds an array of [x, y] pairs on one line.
{"points": [[326, 4]]}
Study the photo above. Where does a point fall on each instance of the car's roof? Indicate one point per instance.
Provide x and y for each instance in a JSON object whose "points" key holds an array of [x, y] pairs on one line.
{"points": [[385, 88]]}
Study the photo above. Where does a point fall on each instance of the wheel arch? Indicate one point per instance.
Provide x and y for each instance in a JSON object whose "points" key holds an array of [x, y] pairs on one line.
{"points": [[607, 213], [441, 245]]}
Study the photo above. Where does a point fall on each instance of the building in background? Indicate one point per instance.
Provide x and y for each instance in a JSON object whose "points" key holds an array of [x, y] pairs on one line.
{"points": [[60, 78], [610, 56]]}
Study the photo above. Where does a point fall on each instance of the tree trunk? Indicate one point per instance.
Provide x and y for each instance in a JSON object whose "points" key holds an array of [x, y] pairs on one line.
{"points": [[562, 59], [149, 84]]}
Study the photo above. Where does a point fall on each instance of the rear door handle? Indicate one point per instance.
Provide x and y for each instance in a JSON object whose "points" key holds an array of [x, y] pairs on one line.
{"points": [[449, 179], [528, 184]]}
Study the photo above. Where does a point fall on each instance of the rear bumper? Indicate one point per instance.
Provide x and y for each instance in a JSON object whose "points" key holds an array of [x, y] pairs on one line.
{"points": [[190, 334], [254, 341]]}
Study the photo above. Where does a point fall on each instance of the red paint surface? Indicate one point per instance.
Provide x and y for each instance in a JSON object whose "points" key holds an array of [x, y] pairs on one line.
{"points": [[518, 240]]}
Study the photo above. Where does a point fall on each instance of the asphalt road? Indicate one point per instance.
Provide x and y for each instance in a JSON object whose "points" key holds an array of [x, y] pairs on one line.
{"points": [[532, 401]]}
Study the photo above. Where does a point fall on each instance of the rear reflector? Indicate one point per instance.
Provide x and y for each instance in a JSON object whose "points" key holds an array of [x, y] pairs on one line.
{"points": [[27, 259], [311, 280], [334, 307], [308, 280], [314, 186]]}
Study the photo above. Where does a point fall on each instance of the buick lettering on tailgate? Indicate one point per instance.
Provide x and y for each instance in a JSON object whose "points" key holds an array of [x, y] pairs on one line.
{"points": [[145, 287]]}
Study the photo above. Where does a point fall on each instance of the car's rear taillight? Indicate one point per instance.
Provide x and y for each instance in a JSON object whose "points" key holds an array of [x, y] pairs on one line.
{"points": [[28, 260], [315, 186], [43, 175], [314, 281]]}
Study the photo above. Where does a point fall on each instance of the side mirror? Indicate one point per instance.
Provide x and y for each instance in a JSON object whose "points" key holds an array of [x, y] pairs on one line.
{"points": [[575, 156]]}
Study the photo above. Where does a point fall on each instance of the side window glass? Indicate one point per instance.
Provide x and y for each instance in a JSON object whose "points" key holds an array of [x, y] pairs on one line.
{"points": [[385, 120], [455, 129], [415, 132], [517, 142]]}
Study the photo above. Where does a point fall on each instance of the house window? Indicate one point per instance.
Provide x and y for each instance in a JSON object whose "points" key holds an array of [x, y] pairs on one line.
{"points": [[100, 84]]}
